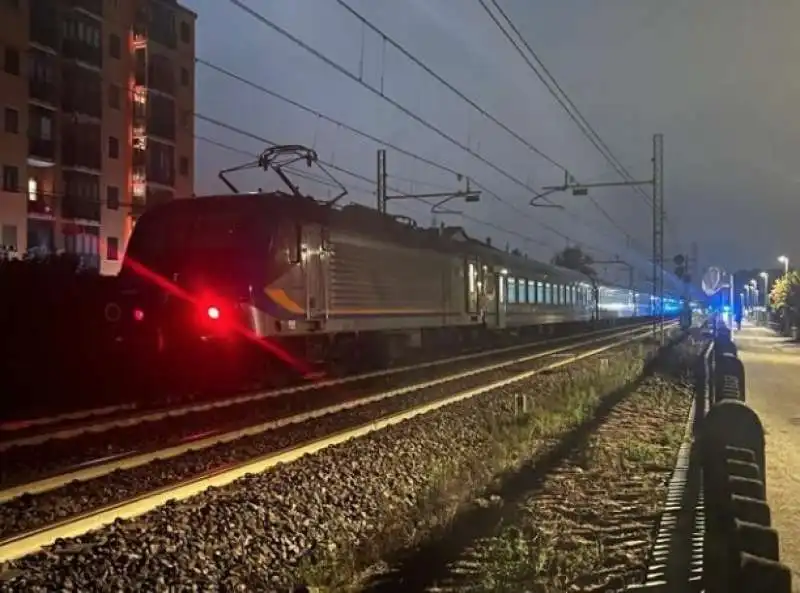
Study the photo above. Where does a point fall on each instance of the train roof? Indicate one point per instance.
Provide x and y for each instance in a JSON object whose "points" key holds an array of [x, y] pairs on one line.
{"points": [[364, 220]]}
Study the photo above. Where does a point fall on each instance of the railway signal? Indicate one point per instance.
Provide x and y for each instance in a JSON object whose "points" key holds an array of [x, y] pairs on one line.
{"points": [[681, 265]]}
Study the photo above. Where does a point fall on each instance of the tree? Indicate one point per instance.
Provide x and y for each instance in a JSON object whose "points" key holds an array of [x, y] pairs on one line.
{"points": [[574, 258], [785, 295]]}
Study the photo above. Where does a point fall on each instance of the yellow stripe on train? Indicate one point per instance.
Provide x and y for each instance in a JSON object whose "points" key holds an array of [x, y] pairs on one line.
{"points": [[280, 298]]}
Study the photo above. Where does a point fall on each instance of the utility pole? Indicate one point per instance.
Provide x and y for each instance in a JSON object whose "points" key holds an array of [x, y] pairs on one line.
{"points": [[468, 195], [657, 183], [380, 194], [658, 226]]}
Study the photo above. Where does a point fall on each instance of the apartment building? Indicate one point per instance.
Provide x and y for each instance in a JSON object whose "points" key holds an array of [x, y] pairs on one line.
{"points": [[97, 98]]}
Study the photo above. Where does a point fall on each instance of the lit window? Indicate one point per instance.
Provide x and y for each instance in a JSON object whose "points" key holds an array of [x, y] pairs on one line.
{"points": [[33, 190]]}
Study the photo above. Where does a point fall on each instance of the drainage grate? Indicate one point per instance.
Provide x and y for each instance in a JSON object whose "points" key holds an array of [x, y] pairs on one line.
{"points": [[676, 561]]}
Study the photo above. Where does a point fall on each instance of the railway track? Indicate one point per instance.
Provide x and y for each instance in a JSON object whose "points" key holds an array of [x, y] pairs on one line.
{"points": [[68, 505], [95, 442], [34, 431]]}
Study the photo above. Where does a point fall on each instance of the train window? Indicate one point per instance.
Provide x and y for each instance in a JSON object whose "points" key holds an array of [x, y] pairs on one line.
{"points": [[512, 290], [296, 245], [522, 292], [540, 292], [326, 238], [471, 273], [531, 291]]}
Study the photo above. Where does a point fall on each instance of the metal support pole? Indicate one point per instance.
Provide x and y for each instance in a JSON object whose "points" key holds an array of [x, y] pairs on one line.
{"points": [[658, 229], [380, 193], [630, 288]]}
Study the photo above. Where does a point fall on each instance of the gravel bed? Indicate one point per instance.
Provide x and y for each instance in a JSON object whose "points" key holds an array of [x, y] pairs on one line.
{"points": [[592, 524], [266, 531], [24, 464], [30, 512]]}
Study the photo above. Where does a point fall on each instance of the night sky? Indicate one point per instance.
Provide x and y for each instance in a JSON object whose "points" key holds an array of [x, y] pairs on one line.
{"points": [[717, 77]]}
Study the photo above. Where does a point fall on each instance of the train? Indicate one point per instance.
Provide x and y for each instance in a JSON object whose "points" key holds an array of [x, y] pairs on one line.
{"points": [[331, 284]]}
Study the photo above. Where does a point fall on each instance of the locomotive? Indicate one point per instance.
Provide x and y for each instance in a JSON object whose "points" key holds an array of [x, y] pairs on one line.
{"points": [[323, 283]]}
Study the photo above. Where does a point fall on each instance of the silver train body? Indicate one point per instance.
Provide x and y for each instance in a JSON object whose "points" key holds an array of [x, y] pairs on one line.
{"points": [[293, 268]]}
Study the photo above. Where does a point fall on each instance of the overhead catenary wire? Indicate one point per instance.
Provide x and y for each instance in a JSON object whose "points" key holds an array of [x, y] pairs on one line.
{"points": [[571, 109], [344, 71], [381, 142], [566, 103], [563, 99], [366, 22], [356, 175]]}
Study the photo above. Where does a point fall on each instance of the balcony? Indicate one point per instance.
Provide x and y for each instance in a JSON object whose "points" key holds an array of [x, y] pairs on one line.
{"points": [[46, 92], [94, 7], [73, 49], [82, 92], [42, 204], [41, 150], [80, 207], [81, 147], [161, 117], [43, 25]]}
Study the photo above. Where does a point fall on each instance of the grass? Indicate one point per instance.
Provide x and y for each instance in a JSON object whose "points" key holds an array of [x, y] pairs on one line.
{"points": [[515, 433], [558, 538]]}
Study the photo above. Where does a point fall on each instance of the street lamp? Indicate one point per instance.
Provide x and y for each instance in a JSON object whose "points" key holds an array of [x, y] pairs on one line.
{"points": [[785, 261], [765, 276]]}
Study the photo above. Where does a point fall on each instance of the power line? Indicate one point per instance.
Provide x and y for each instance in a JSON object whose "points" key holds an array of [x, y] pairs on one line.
{"points": [[604, 149], [356, 175], [447, 84], [580, 121], [373, 138], [572, 109], [339, 68]]}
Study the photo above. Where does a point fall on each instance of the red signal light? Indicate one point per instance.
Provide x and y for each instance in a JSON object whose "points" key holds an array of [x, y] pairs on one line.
{"points": [[213, 313], [138, 314]]}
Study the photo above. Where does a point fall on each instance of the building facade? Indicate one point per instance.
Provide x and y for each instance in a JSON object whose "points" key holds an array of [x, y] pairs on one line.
{"points": [[98, 100]]}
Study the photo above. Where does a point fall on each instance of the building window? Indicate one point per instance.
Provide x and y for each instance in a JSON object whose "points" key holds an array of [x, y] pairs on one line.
{"points": [[10, 178], [112, 197], [113, 147], [112, 248], [186, 34], [114, 46], [10, 236], [113, 96], [33, 190], [12, 121], [11, 62], [184, 77], [183, 165]]}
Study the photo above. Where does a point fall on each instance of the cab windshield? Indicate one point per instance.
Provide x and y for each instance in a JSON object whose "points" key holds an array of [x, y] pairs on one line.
{"points": [[209, 237]]}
